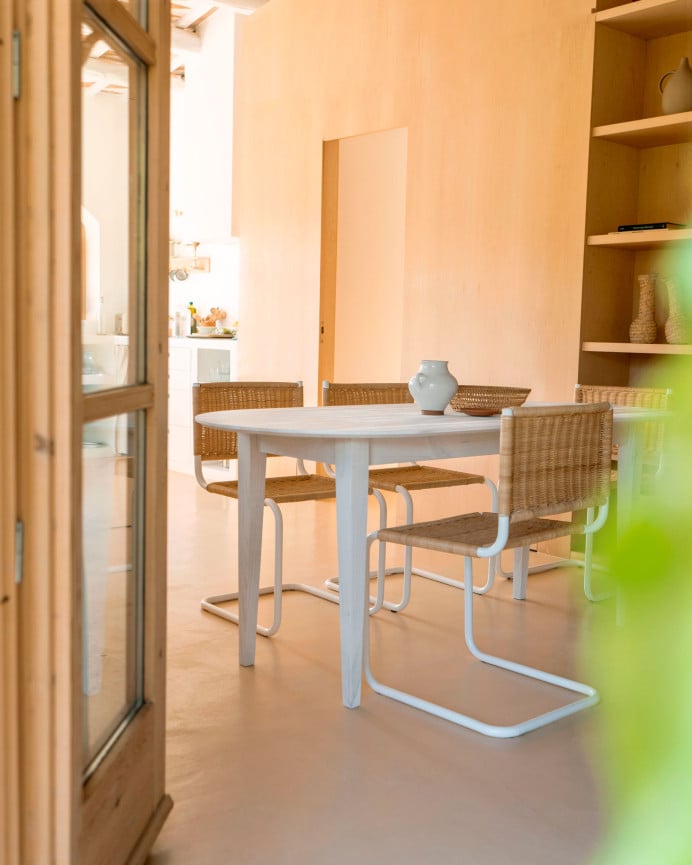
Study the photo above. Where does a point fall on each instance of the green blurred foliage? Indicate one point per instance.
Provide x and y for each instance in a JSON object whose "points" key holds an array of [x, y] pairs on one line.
{"points": [[643, 668]]}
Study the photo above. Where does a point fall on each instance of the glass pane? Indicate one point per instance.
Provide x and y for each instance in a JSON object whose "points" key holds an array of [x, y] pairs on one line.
{"points": [[113, 98], [111, 577]]}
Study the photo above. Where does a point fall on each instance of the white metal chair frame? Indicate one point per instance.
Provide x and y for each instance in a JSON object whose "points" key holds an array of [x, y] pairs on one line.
{"points": [[388, 393], [324, 489], [516, 526]]}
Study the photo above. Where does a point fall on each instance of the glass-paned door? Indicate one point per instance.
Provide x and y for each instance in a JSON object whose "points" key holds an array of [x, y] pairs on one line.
{"points": [[91, 384], [114, 294]]}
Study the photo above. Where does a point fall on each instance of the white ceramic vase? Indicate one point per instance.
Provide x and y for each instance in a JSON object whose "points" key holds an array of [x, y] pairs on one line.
{"points": [[433, 386]]}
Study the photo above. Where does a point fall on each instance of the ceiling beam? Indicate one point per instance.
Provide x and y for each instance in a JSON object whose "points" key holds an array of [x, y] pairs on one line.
{"points": [[185, 41], [242, 5], [198, 9], [113, 70]]}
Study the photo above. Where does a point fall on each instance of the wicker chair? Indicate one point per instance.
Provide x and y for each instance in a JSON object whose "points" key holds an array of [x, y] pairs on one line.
{"points": [[641, 397], [553, 460], [652, 465], [213, 444], [403, 480]]}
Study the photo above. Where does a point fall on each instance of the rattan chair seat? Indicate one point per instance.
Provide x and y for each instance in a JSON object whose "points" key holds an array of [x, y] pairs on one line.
{"points": [[420, 477], [295, 488], [463, 534]]}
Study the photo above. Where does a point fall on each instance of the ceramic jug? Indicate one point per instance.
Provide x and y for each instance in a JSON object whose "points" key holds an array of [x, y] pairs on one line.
{"points": [[432, 386], [676, 96]]}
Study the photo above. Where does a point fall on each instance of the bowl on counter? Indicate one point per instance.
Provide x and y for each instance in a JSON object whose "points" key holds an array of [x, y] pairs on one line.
{"points": [[203, 330]]}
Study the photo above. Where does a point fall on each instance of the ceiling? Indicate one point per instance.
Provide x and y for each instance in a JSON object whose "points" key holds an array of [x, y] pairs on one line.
{"points": [[104, 69]]}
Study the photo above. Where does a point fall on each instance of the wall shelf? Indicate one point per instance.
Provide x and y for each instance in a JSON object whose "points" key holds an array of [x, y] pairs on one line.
{"points": [[649, 19], [655, 239], [636, 348], [649, 132]]}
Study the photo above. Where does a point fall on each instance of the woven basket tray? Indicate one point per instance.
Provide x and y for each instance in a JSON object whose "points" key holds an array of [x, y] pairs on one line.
{"points": [[485, 400]]}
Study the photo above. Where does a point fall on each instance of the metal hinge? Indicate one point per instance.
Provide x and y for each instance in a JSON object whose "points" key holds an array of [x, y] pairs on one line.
{"points": [[18, 551], [16, 63]]}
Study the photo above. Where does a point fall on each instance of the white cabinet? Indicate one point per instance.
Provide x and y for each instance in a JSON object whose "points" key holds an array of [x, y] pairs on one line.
{"points": [[191, 360]]}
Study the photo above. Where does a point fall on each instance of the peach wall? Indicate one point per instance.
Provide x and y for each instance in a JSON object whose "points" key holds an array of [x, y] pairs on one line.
{"points": [[495, 101]]}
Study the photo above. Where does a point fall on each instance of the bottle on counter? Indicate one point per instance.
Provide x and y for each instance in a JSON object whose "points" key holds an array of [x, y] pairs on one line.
{"points": [[181, 322], [193, 321]]}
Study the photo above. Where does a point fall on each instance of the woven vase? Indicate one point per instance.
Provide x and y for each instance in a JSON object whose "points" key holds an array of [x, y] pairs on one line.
{"points": [[643, 328], [678, 328]]}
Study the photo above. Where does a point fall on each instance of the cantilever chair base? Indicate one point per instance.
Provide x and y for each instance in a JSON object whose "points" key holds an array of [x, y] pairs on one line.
{"points": [[210, 604], [589, 695]]}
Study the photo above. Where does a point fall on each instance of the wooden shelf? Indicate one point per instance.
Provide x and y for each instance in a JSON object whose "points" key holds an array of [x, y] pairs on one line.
{"points": [[649, 19], [636, 348], [655, 239], [649, 132]]}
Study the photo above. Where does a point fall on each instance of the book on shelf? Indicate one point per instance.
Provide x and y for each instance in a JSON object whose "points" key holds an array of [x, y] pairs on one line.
{"points": [[650, 226]]}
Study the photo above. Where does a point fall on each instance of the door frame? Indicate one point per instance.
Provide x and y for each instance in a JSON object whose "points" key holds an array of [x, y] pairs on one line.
{"points": [[60, 819], [9, 680]]}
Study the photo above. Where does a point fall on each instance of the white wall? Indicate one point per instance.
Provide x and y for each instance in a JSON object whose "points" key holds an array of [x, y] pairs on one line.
{"points": [[201, 188], [201, 163], [202, 134], [105, 186]]}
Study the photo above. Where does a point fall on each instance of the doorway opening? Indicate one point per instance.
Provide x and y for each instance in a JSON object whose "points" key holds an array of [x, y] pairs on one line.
{"points": [[363, 251]]}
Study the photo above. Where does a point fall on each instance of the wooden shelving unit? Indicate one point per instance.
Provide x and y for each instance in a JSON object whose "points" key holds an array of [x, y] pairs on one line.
{"points": [[640, 170]]}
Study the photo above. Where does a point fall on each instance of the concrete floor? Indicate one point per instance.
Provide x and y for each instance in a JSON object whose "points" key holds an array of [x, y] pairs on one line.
{"points": [[266, 765]]}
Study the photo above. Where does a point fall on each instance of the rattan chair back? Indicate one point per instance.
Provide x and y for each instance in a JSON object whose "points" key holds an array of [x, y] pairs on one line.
{"points": [[216, 444], [640, 397], [359, 393], [554, 459]]}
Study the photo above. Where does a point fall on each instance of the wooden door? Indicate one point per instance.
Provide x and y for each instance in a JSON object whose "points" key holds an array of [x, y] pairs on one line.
{"points": [[85, 433]]}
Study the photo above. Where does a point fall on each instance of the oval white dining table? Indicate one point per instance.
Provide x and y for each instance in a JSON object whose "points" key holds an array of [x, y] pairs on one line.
{"points": [[352, 438]]}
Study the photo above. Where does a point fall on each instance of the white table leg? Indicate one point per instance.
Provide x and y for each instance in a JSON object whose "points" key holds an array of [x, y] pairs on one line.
{"points": [[251, 474], [629, 481], [629, 473], [351, 512]]}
